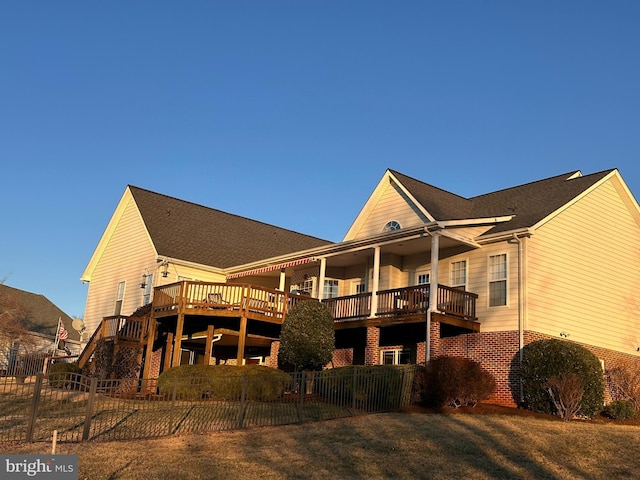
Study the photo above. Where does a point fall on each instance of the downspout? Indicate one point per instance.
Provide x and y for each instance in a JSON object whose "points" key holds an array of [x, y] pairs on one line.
{"points": [[520, 311]]}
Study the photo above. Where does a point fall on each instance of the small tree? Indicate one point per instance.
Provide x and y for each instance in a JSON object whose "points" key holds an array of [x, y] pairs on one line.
{"points": [[307, 338]]}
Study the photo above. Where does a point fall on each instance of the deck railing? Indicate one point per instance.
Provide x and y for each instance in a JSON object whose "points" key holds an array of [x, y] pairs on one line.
{"points": [[250, 299]]}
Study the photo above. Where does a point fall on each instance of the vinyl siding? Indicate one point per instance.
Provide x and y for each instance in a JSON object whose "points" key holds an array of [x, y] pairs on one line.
{"points": [[583, 272], [127, 254], [390, 204]]}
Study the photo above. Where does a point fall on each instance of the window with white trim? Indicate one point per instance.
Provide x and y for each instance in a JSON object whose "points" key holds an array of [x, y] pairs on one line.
{"points": [[396, 356], [497, 272], [458, 274], [305, 287], [330, 288], [358, 286], [423, 278], [119, 298]]}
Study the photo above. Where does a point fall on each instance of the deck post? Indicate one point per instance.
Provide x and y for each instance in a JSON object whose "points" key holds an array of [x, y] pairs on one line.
{"points": [[376, 282], [433, 290], [151, 336], [207, 345], [168, 350], [242, 339], [177, 341]]}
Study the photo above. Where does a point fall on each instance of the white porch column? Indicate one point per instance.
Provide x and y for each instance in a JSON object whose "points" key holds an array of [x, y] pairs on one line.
{"points": [[283, 279], [433, 289], [321, 277], [376, 282]]}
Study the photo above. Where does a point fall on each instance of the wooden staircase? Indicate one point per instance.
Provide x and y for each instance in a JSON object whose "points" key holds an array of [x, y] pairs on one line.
{"points": [[124, 331]]}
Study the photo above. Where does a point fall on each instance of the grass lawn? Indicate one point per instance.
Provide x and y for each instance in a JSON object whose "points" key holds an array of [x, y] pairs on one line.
{"points": [[393, 445]]}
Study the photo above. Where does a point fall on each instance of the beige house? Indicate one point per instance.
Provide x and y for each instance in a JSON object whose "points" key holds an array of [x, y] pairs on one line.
{"points": [[421, 272]]}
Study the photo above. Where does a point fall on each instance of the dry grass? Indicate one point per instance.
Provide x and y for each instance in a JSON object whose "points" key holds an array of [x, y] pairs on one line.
{"points": [[394, 445]]}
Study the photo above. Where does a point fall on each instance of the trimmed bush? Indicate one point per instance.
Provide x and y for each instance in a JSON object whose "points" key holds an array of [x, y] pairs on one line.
{"points": [[620, 409], [375, 386], [62, 375], [307, 337], [224, 382], [454, 382], [543, 359]]}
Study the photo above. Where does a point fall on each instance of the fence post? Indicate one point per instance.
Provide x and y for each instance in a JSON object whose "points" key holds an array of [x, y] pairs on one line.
{"points": [[243, 401], [173, 404], [87, 419], [34, 407], [353, 389], [301, 392]]}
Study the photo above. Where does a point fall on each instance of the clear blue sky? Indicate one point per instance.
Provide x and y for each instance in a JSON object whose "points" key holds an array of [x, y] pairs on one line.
{"points": [[289, 112]]}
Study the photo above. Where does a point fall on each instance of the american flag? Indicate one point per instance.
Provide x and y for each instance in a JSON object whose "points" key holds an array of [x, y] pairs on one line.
{"points": [[62, 332]]}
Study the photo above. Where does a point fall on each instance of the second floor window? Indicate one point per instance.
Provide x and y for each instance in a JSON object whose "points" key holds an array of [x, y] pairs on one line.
{"points": [[330, 288], [458, 274], [497, 280], [119, 298]]}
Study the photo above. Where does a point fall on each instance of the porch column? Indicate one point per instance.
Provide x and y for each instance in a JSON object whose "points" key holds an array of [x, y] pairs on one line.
{"points": [[177, 343], [433, 289], [242, 339], [283, 280], [208, 344], [323, 271], [376, 282]]}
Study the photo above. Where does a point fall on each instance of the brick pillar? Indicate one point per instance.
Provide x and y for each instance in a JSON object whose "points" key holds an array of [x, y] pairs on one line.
{"points": [[372, 350], [435, 340], [273, 354]]}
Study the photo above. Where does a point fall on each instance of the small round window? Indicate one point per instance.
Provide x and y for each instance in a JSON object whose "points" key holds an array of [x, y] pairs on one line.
{"points": [[391, 226]]}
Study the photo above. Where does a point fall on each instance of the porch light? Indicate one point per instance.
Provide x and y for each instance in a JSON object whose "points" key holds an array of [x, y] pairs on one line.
{"points": [[165, 271], [564, 334], [144, 281]]}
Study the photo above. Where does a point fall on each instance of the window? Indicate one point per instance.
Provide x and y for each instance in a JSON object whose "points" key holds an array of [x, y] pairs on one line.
{"points": [[391, 226], [423, 278], [358, 286], [330, 289], [305, 287], [458, 274], [148, 288], [119, 298], [497, 280], [397, 356]]}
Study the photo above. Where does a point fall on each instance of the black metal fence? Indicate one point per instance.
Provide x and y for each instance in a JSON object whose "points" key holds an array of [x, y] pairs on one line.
{"points": [[81, 408]]}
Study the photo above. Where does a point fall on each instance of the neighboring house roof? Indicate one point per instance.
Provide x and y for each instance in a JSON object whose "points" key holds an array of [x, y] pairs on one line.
{"points": [[530, 203], [203, 235], [42, 314]]}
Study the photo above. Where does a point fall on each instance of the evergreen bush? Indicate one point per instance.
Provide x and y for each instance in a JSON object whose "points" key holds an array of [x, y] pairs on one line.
{"points": [[620, 409], [224, 382], [307, 337], [375, 385], [455, 381], [543, 359], [63, 375]]}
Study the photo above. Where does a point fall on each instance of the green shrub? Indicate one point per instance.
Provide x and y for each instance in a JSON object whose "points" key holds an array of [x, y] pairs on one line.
{"points": [[307, 337], [375, 386], [620, 409], [543, 359], [63, 375], [224, 382], [455, 381]]}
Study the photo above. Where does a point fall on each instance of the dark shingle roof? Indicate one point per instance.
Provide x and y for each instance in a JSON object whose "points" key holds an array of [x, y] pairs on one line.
{"points": [[530, 203], [42, 314], [191, 232]]}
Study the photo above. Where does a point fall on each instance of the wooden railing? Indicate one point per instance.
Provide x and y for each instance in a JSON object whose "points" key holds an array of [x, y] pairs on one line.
{"points": [[404, 301], [241, 298], [266, 302], [123, 329]]}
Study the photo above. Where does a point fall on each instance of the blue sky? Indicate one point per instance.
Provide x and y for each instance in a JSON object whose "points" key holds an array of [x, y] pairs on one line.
{"points": [[289, 112]]}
